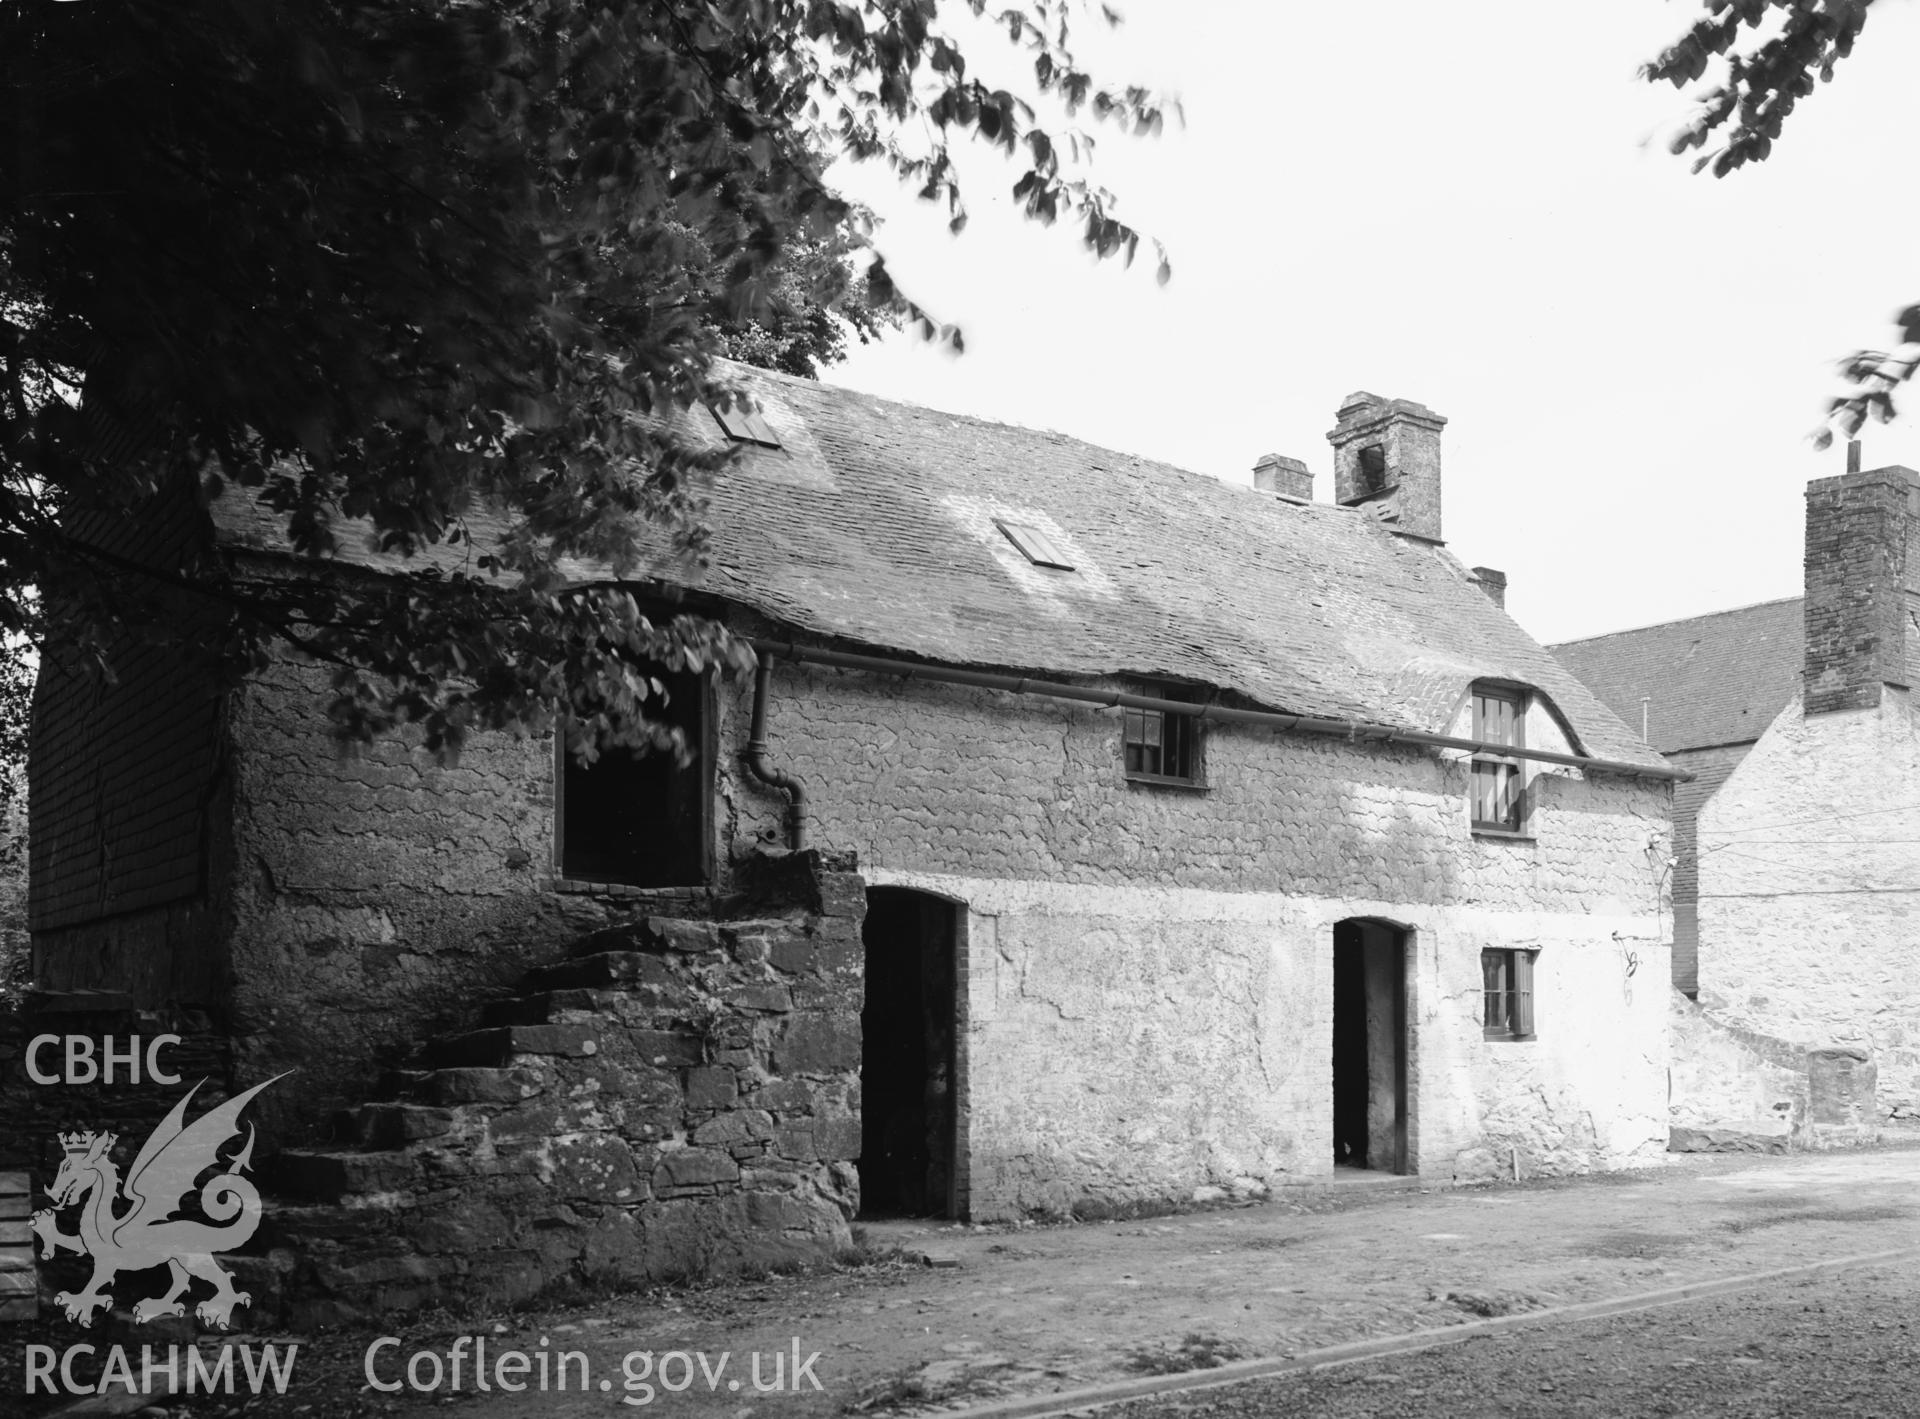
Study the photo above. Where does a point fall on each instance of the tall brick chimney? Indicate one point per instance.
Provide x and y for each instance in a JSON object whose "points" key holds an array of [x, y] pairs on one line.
{"points": [[1387, 451], [1863, 587]]}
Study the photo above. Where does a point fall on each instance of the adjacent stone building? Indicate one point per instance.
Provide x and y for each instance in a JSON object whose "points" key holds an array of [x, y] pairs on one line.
{"points": [[1799, 841], [1704, 689], [1207, 838]]}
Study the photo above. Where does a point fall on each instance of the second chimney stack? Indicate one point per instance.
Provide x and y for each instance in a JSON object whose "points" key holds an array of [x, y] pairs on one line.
{"points": [[1863, 576]]}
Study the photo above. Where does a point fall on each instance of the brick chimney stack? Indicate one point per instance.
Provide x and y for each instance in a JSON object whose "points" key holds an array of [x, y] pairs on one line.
{"points": [[1863, 587], [1288, 477], [1387, 451]]}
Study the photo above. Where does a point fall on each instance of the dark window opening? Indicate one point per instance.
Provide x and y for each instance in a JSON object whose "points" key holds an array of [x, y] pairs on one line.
{"points": [[639, 817], [1161, 747], [744, 425], [1373, 469], [1507, 991], [1499, 719]]}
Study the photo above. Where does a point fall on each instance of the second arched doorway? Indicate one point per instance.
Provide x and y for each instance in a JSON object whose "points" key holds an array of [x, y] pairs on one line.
{"points": [[1371, 1108]]}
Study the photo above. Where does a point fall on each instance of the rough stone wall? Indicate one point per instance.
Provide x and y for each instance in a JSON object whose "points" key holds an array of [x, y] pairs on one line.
{"points": [[981, 784], [376, 898], [1810, 889], [1150, 973], [36, 1114], [677, 1098], [1733, 1090], [1148, 970]]}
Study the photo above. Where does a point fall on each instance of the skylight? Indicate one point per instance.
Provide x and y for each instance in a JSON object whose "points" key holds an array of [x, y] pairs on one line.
{"points": [[1034, 544], [744, 425]]}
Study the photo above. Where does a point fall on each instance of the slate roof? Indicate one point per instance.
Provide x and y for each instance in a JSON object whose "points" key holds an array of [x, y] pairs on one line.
{"points": [[1715, 679], [874, 524]]}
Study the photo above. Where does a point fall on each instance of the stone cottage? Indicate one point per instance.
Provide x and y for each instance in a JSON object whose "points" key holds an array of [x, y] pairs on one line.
{"points": [[1798, 842], [1207, 838]]}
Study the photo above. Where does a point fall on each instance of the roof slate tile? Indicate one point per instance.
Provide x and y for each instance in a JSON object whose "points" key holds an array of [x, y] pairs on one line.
{"points": [[876, 528], [1709, 680]]}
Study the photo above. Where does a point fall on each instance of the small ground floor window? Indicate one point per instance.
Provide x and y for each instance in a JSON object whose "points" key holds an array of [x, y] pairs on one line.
{"points": [[1507, 982]]}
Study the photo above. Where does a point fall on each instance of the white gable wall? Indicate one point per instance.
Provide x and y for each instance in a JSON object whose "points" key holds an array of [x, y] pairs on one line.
{"points": [[1810, 888]]}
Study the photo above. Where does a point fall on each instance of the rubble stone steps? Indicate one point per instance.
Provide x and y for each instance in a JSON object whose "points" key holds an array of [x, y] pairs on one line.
{"points": [[461, 1085], [618, 969], [547, 1007], [500, 1046], [670, 1097]]}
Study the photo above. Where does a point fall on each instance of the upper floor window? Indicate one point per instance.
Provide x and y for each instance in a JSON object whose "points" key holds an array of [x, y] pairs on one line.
{"points": [[1161, 747], [1499, 720], [641, 817]]}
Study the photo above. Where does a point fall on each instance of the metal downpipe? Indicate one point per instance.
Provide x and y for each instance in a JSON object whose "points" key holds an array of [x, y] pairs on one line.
{"points": [[755, 758]]}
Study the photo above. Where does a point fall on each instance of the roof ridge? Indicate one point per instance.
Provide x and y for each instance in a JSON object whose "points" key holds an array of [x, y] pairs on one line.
{"points": [[1676, 621], [980, 421]]}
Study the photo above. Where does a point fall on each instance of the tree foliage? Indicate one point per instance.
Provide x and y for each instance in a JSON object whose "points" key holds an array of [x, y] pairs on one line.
{"points": [[383, 264], [816, 299], [1761, 58]]}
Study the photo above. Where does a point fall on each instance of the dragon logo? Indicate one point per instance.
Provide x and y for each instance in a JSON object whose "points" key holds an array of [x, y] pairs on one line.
{"points": [[147, 1233]]}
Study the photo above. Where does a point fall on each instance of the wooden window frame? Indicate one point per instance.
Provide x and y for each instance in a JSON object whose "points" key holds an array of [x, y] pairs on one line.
{"points": [[1155, 733], [1515, 825], [744, 425], [1507, 993], [1034, 544]]}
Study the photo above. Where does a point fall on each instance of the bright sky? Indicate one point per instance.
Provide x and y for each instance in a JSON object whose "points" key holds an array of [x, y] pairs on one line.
{"points": [[1469, 205]]}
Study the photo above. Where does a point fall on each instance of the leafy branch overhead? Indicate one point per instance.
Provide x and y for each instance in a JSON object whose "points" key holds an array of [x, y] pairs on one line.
{"points": [[441, 274], [1765, 56]]}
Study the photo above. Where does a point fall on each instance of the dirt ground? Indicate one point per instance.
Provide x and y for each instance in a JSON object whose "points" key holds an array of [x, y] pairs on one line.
{"points": [[1028, 1310], [1828, 1347]]}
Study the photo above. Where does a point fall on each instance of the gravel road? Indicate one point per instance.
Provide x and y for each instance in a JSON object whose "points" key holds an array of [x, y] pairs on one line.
{"points": [[1841, 1346]]}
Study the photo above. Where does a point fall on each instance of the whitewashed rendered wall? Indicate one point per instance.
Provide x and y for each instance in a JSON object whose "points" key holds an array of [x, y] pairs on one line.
{"points": [[1150, 972], [1133, 1044], [1810, 888]]}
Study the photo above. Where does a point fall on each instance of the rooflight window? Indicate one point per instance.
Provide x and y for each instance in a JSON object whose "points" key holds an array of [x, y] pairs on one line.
{"points": [[744, 425], [1035, 545]]}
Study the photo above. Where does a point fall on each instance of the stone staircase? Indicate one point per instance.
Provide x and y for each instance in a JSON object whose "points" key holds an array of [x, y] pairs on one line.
{"points": [[675, 1098]]}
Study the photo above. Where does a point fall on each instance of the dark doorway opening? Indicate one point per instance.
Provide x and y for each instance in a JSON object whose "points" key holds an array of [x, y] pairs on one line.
{"points": [[1369, 1046], [908, 1059]]}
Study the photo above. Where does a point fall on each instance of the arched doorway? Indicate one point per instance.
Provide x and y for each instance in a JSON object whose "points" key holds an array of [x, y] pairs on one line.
{"points": [[909, 1056], [1370, 1103]]}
